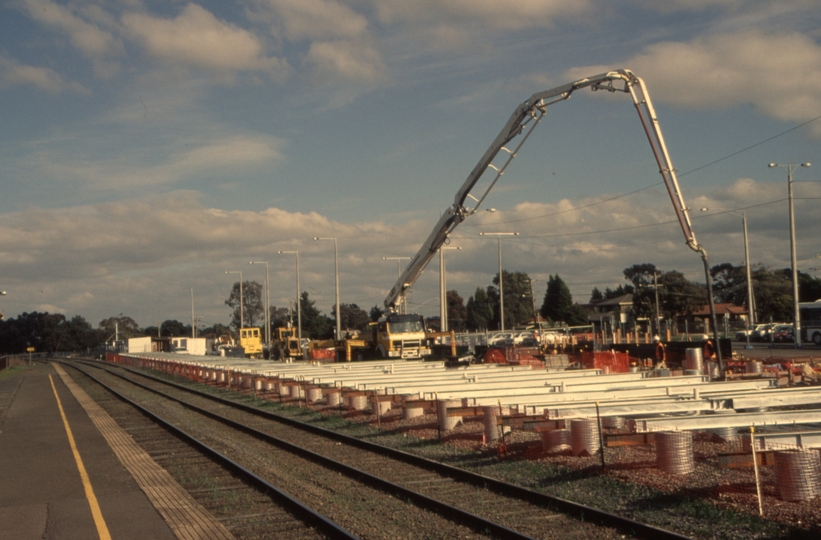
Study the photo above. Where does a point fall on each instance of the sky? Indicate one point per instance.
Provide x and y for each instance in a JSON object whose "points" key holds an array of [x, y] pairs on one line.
{"points": [[148, 147]]}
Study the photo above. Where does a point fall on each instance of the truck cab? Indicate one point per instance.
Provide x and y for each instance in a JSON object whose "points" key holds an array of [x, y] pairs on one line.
{"points": [[401, 336]]}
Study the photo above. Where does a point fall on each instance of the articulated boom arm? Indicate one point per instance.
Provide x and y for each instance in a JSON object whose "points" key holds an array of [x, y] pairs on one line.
{"points": [[533, 110]]}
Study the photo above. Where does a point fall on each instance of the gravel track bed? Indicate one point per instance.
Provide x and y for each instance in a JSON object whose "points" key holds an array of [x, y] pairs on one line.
{"points": [[522, 516]]}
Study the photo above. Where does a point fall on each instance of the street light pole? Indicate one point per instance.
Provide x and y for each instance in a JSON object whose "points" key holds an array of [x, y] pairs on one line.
{"points": [[750, 300], [443, 289], [241, 300], [793, 258], [336, 289], [499, 236], [750, 296], [193, 320], [267, 304], [298, 301]]}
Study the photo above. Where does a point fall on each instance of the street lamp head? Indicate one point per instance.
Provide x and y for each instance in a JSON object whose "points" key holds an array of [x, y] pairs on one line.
{"points": [[807, 164], [771, 165]]}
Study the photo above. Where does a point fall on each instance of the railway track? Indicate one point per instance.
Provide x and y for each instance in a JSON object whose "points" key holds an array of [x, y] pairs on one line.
{"points": [[368, 489]]}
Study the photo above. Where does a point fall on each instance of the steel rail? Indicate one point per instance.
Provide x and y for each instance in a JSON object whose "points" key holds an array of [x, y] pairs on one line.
{"points": [[308, 515], [570, 508]]}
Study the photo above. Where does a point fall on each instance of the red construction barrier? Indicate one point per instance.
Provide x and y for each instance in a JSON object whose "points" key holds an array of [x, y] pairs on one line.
{"points": [[615, 362], [323, 354]]}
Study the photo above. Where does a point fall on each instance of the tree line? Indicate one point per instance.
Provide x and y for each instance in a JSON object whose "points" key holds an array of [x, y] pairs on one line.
{"points": [[677, 296]]}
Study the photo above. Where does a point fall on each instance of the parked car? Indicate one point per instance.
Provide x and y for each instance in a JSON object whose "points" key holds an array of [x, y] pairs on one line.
{"points": [[499, 339], [741, 335], [783, 333], [762, 331]]}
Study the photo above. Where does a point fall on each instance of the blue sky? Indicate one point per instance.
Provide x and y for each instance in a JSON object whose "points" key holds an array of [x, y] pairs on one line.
{"points": [[147, 147]]}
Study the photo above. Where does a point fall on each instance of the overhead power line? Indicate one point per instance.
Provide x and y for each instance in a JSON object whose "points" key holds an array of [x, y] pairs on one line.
{"points": [[691, 171]]}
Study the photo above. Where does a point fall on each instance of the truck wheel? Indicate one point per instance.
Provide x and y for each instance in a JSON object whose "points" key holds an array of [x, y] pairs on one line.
{"points": [[816, 338], [380, 352]]}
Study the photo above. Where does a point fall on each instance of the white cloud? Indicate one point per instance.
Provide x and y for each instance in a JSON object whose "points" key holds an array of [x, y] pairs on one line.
{"points": [[197, 39], [13, 74], [141, 257], [348, 60], [312, 19], [92, 40], [489, 13], [230, 153], [777, 73]]}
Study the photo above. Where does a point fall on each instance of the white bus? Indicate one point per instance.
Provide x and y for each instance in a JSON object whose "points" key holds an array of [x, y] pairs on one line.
{"points": [[810, 314]]}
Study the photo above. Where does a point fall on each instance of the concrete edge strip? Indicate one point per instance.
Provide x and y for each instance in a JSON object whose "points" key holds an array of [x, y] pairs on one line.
{"points": [[186, 517]]}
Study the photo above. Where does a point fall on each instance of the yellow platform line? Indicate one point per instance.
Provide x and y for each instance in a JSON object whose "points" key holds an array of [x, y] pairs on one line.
{"points": [[187, 519], [99, 522]]}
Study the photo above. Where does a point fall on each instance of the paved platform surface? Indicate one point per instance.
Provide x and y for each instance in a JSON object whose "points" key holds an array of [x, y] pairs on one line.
{"points": [[44, 493]]}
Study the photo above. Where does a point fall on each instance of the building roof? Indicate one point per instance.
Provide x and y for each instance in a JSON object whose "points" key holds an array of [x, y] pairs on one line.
{"points": [[721, 309], [617, 301]]}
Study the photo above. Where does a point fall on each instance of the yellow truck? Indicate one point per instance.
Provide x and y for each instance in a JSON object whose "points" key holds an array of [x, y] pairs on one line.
{"points": [[393, 336], [250, 339]]}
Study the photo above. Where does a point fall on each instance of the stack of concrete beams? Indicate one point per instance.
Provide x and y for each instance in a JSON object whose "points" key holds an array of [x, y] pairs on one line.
{"points": [[539, 399]]}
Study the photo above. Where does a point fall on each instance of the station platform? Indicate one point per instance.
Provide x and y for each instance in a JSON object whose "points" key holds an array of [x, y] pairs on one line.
{"points": [[68, 471]]}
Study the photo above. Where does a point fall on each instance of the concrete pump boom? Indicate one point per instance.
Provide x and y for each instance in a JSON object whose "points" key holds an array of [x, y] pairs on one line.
{"points": [[533, 110]]}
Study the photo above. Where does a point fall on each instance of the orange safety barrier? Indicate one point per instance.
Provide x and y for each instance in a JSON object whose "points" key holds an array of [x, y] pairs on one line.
{"points": [[323, 354], [615, 362]]}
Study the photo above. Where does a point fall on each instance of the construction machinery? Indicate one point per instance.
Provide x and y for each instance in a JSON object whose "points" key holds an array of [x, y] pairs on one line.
{"points": [[286, 344], [394, 335], [522, 122]]}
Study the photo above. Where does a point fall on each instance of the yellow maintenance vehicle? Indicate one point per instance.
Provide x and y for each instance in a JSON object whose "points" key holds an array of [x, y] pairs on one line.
{"points": [[250, 339], [286, 344]]}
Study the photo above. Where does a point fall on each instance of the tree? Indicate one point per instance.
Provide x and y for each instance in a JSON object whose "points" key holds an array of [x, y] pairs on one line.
{"points": [[126, 327], [80, 336], [642, 277], [772, 289], [457, 312], [676, 294], [596, 295], [773, 294], [253, 309], [217, 329], [314, 324], [558, 301], [729, 283], [679, 296], [518, 303], [375, 313], [577, 315], [479, 311], [173, 327], [621, 290], [809, 288], [352, 317], [47, 333]]}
